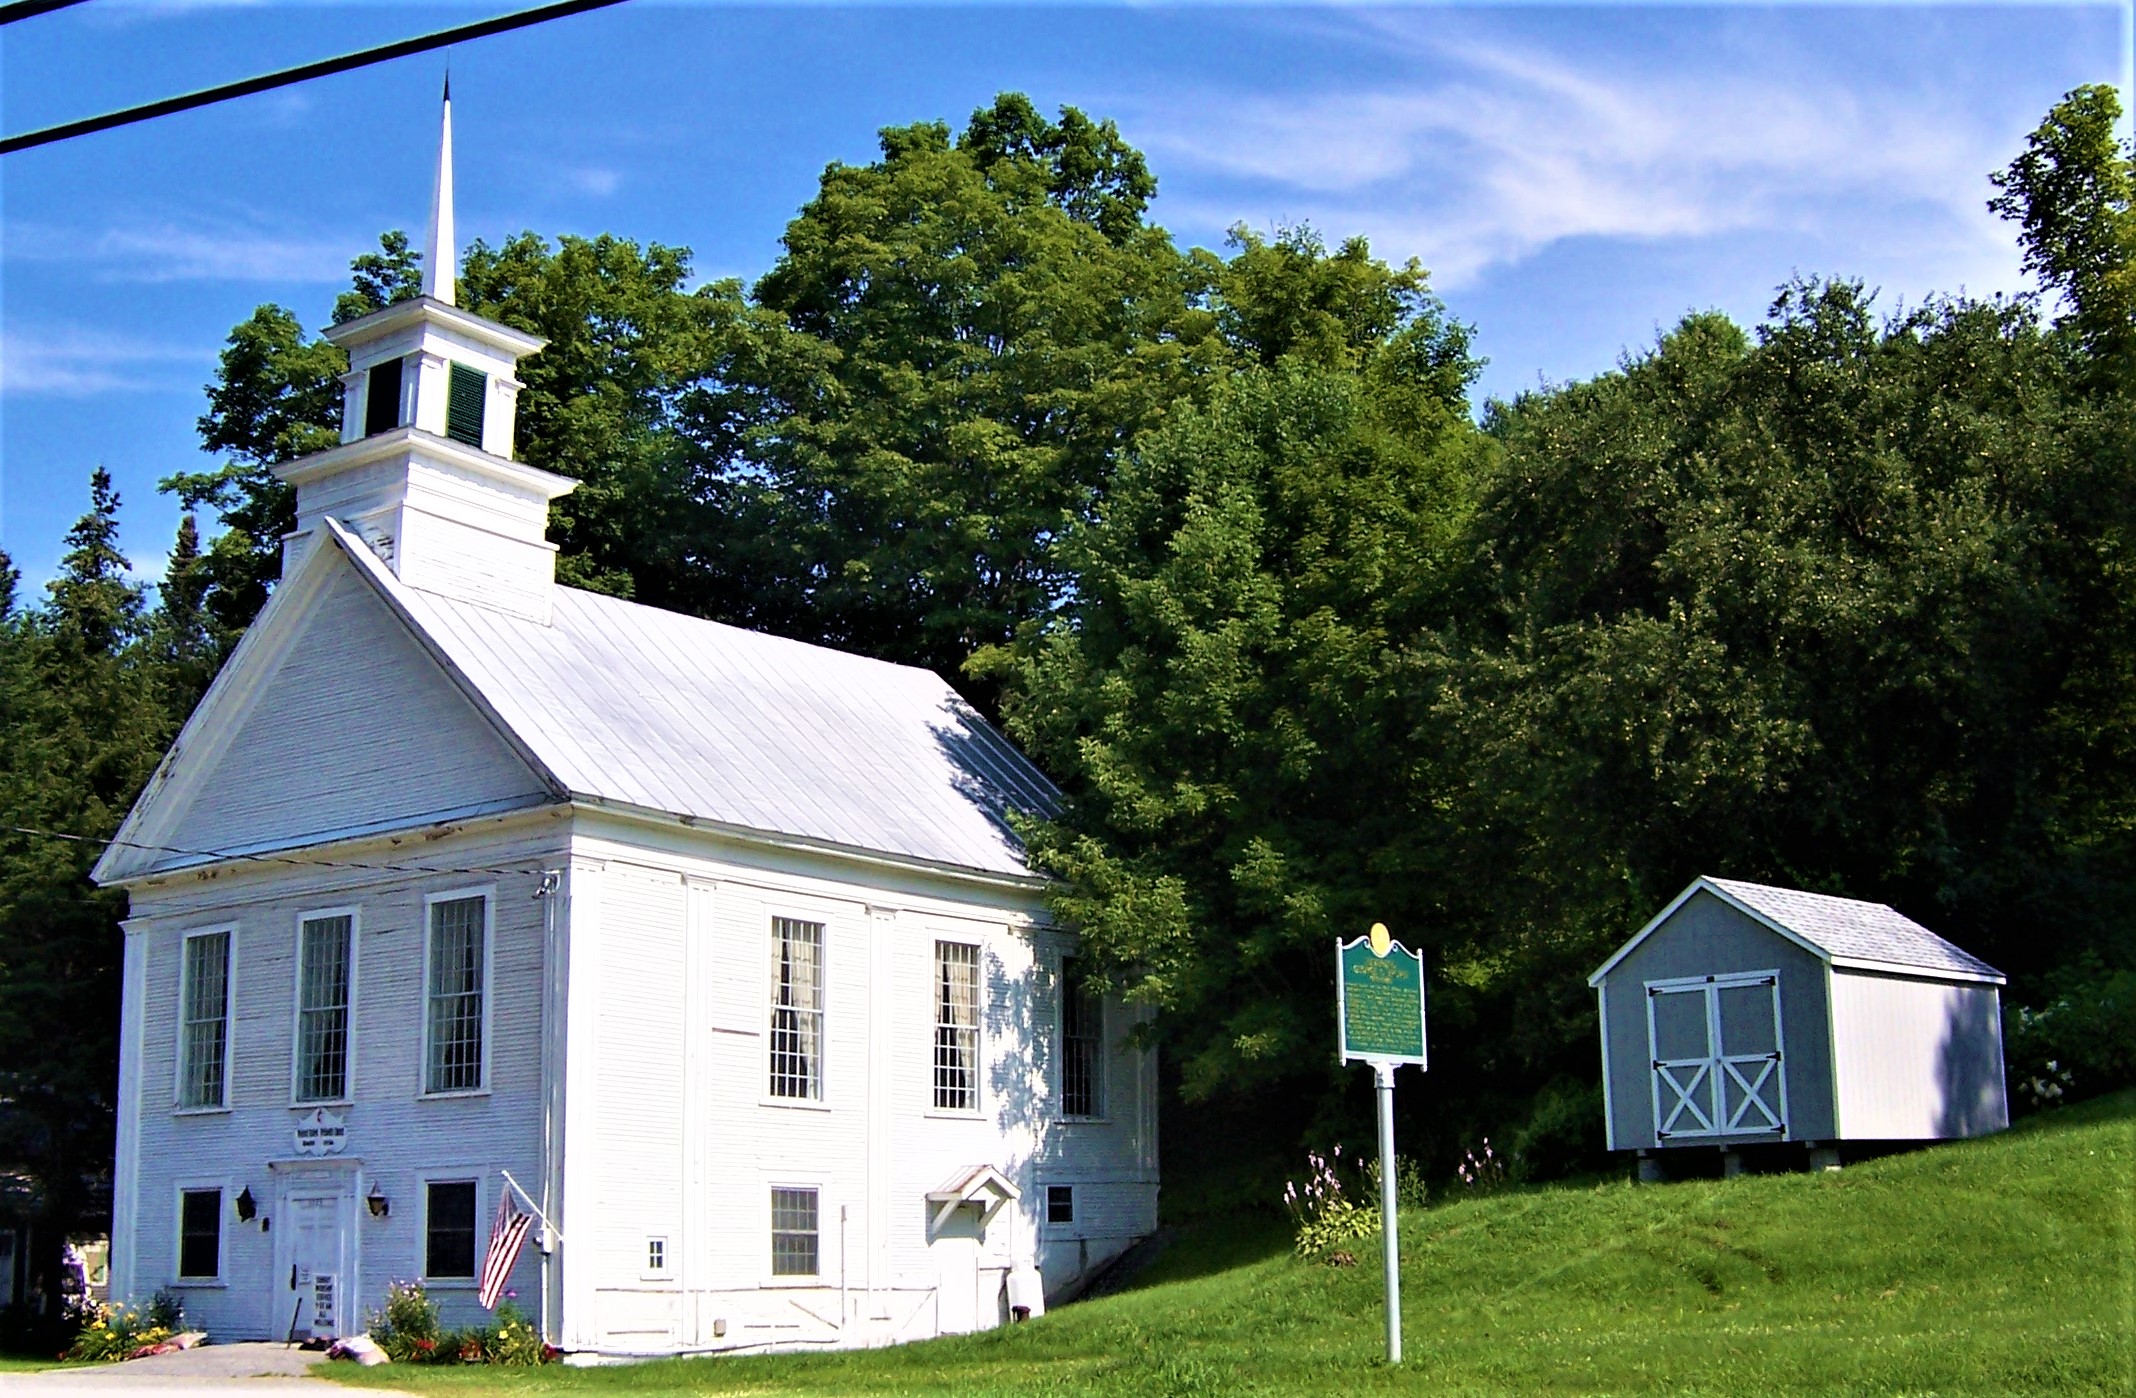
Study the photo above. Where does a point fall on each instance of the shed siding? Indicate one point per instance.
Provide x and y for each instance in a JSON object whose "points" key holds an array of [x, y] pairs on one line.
{"points": [[1707, 937], [1917, 1060], [354, 728]]}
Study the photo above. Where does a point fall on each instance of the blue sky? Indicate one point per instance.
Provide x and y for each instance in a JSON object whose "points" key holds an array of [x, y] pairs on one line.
{"points": [[1576, 178]]}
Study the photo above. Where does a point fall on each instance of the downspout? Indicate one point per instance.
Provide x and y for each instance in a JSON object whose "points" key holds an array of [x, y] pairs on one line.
{"points": [[551, 883]]}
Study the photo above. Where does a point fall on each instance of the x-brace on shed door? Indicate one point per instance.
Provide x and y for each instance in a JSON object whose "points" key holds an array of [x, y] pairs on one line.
{"points": [[1715, 1046]]}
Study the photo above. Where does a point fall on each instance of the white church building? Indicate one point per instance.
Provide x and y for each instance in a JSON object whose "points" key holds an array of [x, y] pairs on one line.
{"points": [[717, 945]]}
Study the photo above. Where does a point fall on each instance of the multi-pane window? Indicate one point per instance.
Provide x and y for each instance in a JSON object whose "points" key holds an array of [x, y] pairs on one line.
{"points": [[449, 1229], [1060, 1203], [200, 1234], [793, 1233], [656, 1255], [323, 953], [458, 928], [204, 1020], [956, 1030], [796, 1009], [1082, 1046]]}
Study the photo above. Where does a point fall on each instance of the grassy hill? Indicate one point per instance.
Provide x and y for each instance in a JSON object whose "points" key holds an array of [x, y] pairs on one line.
{"points": [[2002, 1266]]}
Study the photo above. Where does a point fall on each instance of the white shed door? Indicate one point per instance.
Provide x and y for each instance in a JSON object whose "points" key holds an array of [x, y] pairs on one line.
{"points": [[1714, 1042]]}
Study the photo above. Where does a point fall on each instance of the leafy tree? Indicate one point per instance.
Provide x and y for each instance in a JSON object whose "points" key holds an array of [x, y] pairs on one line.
{"points": [[601, 401], [276, 397], [2073, 193], [81, 702], [968, 333], [1223, 692], [1823, 609]]}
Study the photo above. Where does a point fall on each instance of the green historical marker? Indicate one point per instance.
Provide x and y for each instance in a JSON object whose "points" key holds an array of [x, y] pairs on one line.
{"points": [[1380, 1004], [1379, 1019]]}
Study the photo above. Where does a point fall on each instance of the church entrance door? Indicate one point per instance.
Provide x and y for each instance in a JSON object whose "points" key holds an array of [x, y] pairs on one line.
{"points": [[316, 1256]]}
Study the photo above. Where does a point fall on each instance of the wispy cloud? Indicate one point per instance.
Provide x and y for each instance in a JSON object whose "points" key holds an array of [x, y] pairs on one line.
{"points": [[598, 181], [1498, 151], [67, 361], [171, 251]]}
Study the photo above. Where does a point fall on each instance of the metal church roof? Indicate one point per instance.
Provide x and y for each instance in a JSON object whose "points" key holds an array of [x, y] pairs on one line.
{"points": [[631, 705], [1847, 932]]}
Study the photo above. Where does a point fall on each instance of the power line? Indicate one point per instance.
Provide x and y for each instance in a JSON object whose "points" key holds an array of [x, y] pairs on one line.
{"points": [[304, 862], [30, 9], [323, 68]]}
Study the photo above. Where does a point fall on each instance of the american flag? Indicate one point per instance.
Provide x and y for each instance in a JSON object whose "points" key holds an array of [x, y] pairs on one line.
{"points": [[508, 1234]]}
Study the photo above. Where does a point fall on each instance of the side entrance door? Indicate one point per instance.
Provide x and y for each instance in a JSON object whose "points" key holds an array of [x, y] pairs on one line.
{"points": [[1714, 1043], [315, 1252]]}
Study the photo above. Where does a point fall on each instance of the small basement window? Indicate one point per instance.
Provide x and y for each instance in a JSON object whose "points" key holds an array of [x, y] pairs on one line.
{"points": [[200, 1235], [382, 398], [464, 395], [1060, 1203], [794, 1237]]}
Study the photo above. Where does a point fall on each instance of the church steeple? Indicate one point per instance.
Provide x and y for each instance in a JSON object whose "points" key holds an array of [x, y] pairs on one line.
{"points": [[425, 472], [438, 253]]}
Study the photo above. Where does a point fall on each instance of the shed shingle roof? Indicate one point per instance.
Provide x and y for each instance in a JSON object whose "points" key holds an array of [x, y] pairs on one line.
{"points": [[1846, 932], [1854, 929]]}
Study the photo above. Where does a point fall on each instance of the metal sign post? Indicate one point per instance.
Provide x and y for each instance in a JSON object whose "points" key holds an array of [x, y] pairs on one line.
{"points": [[1379, 1018]]}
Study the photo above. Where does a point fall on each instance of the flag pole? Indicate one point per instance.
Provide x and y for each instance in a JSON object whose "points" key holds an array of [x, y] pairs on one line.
{"points": [[532, 1207]]}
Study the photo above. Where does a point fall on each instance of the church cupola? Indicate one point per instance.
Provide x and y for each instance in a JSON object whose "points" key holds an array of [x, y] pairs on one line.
{"points": [[425, 473]]}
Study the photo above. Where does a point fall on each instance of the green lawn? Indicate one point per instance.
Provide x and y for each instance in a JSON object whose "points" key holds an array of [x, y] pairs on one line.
{"points": [[2003, 1266]]}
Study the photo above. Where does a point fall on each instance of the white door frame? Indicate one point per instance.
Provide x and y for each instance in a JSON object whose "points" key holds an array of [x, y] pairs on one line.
{"points": [[335, 1180], [1697, 1088]]}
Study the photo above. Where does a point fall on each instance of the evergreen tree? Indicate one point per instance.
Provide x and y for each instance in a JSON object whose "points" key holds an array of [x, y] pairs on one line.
{"points": [[82, 703]]}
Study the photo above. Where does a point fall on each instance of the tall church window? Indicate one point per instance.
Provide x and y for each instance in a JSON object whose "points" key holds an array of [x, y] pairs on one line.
{"points": [[956, 1030], [465, 391], [325, 947], [204, 1021], [796, 1009], [454, 994], [1082, 1045]]}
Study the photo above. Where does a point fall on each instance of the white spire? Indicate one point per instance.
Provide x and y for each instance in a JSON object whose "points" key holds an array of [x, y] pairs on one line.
{"points": [[438, 258]]}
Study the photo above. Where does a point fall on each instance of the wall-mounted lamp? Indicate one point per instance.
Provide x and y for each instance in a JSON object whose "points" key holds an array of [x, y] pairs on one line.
{"points": [[247, 1207], [379, 1205]]}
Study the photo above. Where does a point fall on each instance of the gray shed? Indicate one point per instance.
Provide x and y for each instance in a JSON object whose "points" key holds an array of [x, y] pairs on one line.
{"points": [[1745, 1014]]}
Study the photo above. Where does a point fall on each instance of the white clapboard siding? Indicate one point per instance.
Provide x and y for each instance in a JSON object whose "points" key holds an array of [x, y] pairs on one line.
{"points": [[355, 728], [640, 1082], [392, 1132]]}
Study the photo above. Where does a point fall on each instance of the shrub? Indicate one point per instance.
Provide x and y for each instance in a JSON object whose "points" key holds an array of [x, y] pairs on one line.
{"points": [[2081, 1043], [1410, 1190], [515, 1340], [167, 1309], [1324, 1211], [407, 1329], [1563, 1133], [1481, 1174], [30, 1330], [115, 1332]]}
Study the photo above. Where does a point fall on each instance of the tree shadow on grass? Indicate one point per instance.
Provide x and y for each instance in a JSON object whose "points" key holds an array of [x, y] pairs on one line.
{"points": [[1214, 1245]]}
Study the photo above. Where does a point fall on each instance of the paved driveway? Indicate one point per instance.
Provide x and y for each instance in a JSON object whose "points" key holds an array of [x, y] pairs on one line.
{"points": [[240, 1369]]}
